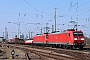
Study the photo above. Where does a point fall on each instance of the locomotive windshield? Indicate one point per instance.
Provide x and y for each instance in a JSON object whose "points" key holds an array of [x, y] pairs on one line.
{"points": [[78, 34]]}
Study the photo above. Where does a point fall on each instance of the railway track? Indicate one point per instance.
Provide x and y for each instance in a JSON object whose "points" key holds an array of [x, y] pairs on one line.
{"points": [[55, 53], [44, 53], [76, 54]]}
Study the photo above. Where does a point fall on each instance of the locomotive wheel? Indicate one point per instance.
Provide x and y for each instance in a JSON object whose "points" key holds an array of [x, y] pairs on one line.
{"points": [[81, 47], [72, 47], [52, 46], [67, 47], [64, 46]]}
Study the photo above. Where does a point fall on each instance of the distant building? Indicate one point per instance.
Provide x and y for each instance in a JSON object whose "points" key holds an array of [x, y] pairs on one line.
{"points": [[21, 36], [2, 40]]}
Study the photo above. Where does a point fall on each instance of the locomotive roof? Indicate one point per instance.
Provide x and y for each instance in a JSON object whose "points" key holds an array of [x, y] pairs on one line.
{"points": [[64, 31]]}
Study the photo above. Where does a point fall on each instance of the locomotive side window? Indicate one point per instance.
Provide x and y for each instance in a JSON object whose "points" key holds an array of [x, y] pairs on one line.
{"points": [[69, 34], [78, 34], [46, 36]]}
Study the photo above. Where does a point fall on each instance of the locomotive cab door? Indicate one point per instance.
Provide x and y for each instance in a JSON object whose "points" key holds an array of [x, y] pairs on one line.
{"points": [[68, 39], [46, 38]]}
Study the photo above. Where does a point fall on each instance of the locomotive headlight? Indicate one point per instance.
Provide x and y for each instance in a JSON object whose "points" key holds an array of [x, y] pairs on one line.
{"points": [[75, 38], [82, 38]]}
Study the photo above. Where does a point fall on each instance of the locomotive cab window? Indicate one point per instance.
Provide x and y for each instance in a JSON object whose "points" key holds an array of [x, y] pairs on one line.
{"points": [[78, 34]]}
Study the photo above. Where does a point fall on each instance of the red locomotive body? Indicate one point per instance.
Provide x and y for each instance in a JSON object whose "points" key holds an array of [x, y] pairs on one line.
{"points": [[40, 39], [67, 39], [70, 38], [57, 38]]}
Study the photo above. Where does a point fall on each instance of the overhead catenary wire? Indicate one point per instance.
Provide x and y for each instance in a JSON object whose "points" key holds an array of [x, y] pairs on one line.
{"points": [[41, 14], [32, 6], [52, 14], [8, 5], [36, 8], [76, 4], [14, 7], [54, 4], [79, 10]]}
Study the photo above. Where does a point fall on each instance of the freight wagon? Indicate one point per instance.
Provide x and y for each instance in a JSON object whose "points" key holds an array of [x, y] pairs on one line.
{"points": [[16, 41], [28, 42]]}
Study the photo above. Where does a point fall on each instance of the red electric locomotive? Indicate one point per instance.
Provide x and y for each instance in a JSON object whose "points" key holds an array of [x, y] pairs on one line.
{"points": [[40, 39], [68, 39]]}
